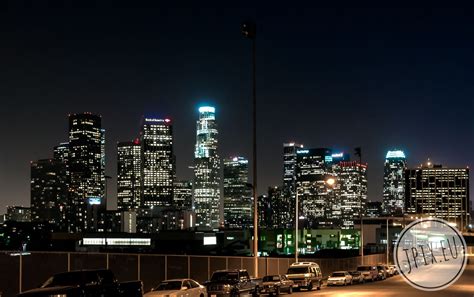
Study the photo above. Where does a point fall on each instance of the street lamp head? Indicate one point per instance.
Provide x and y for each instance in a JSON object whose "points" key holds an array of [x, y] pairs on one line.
{"points": [[249, 29], [330, 181]]}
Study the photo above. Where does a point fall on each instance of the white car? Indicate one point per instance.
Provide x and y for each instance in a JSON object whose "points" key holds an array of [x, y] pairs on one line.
{"points": [[178, 288], [340, 278]]}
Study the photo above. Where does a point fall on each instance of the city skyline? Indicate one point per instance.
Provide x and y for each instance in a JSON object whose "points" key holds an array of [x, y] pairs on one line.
{"points": [[113, 198], [370, 82]]}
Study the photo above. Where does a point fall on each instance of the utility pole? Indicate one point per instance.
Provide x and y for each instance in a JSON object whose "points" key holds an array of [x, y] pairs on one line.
{"points": [[249, 31]]}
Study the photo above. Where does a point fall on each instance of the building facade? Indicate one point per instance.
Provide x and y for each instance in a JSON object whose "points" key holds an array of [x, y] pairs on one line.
{"points": [[286, 219], [237, 194], [86, 159], [352, 192], [394, 183], [129, 175], [49, 192], [373, 209], [207, 181], [440, 192], [314, 167], [158, 171], [18, 214], [183, 194]]}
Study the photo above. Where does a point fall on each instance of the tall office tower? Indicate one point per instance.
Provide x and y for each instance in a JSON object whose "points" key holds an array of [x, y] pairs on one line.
{"points": [[287, 219], [183, 194], [61, 152], [373, 209], [207, 182], [279, 212], [49, 192], [352, 190], [394, 183], [157, 162], [265, 212], [433, 190], [129, 172], [87, 179], [237, 194], [313, 167]]}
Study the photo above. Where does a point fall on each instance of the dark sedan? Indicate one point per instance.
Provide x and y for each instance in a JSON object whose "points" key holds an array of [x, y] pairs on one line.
{"points": [[276, 284]]}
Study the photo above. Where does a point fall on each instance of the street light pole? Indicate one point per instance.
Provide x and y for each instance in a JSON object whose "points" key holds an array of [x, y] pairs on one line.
{"points": [[387, 242], [249, 31], [296, 225]]}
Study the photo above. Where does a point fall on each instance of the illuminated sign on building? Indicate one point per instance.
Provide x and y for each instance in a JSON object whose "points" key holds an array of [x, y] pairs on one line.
{"points": [[395, 154], [207, 109], [210, 240], [94, 200], [302, 151]]}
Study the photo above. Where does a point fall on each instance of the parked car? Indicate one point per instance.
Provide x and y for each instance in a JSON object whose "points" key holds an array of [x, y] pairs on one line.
{"points": [[276, 284], [342, 278], [88, 283], [357, 277], [178, 288], [305, 275], [382, 272], [393, 269], [369, 272], [231, 283]]}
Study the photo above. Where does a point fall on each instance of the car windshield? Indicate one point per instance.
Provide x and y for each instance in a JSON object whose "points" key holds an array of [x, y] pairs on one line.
{"points": [[270, 278], [354, 273], [338, 274], [225, 276], [297, 270], [165, 286], [364, 268]]}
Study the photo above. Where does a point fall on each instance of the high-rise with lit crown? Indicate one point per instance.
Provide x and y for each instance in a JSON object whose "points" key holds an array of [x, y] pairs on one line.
{"points": [[394, 183], [86, 169], [237, 193], [129, 160], [157, 174], [207, 181]]}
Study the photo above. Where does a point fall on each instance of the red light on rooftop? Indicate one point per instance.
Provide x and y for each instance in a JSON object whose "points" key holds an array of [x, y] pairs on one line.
{"points": [[167, 120]]}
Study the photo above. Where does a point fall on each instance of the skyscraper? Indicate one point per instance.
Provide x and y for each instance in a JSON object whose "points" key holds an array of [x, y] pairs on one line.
{"points": [[441, 192], [129, 172], [313, 167], [61, 152], [157, 162], [86, 168], [183, 194], [352, 190], [49, 192], [207, 182], [237, 193], [286, 217], [394, 183]]}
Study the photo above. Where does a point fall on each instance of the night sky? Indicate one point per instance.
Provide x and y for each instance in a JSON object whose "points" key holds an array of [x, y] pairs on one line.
{"points": [[340, 77]]}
